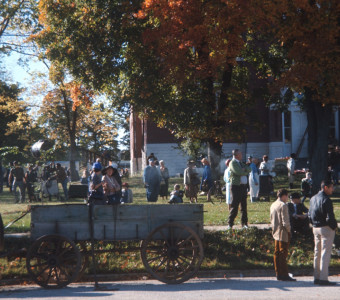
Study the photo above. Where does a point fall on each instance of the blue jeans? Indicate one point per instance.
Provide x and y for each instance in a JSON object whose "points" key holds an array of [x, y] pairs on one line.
{"points": [[21, 186], [152, 192], [64, 185]]}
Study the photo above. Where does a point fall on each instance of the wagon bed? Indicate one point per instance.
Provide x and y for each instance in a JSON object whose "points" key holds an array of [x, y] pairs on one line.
{"points": [[171, 246], [112, 223]]}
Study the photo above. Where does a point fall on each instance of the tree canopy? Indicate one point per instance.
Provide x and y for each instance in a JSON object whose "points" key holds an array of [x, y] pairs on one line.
{"points": [[186, 64], [304, 47], [175, 62]]}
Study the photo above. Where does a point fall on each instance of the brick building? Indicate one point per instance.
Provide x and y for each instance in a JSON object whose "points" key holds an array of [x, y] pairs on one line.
{"points": [[280, 135]]}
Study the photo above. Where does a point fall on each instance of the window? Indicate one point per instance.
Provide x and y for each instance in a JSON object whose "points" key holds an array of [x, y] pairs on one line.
{"points": [[287, 129]]}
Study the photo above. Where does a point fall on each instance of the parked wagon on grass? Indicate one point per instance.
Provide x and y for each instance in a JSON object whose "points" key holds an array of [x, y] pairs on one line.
{"points": [[171, 247]]}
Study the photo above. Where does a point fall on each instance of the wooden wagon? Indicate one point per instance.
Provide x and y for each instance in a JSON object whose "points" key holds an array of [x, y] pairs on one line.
{"points": [[171, 246]]}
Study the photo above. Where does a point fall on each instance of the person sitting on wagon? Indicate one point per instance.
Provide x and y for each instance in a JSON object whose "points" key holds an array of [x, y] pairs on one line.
{"points": [[111, 185], [298, 214], [96, 191], [127, 196]]}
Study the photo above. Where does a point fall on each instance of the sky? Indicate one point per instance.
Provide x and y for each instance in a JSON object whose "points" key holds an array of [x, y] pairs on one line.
{"points": [[21, 75]]}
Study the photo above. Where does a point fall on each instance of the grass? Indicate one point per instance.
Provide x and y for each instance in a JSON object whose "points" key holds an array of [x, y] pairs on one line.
{"points": [[223, 250], [215, 214], [238, 249]]}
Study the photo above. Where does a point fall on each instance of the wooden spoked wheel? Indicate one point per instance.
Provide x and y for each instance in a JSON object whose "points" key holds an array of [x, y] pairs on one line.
{"points": [[2, 234], [84, 258], [172, 253], [53, 261]]}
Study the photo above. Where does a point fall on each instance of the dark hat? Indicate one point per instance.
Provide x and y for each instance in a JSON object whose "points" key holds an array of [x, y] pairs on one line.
{"points": [[294, 196], [106, 168]]}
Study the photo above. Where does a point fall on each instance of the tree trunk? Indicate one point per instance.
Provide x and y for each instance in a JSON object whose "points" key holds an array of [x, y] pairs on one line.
{"points": [[73, 147], [214, 156], [319, 119], [73, 155]]}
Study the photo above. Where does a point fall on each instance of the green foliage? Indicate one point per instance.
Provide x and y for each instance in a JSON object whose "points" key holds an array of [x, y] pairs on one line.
{"points": [[86, 37], [99, 130], [194, 148], [10, 154]]}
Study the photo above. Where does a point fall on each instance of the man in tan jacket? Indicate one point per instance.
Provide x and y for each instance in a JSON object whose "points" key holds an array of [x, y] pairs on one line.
{"points": [[279, 217]]}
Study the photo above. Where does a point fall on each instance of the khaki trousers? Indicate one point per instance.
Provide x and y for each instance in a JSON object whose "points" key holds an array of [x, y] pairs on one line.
{"points": [[280, 258], [323, 239]]}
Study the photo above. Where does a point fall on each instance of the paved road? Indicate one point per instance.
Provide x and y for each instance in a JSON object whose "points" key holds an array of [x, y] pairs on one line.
{"points": [[203, 288]]}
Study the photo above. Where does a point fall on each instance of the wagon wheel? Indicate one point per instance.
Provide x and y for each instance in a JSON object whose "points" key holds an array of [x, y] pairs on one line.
{"points": [[84, 258], [2, 243], [172, 253], [53, 261]]}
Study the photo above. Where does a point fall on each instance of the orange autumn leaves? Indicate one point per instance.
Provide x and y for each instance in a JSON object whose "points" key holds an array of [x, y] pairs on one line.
{"points": [[202, 36], [208, 36], [75, 91], [80, 95]]}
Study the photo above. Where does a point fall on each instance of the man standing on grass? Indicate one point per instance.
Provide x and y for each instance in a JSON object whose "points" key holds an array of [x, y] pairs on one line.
{"points": [[322, 218], [18, 176], [280, 223], [238, 180], [152, 180]]}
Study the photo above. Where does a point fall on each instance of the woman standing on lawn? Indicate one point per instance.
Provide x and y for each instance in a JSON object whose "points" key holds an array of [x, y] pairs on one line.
{"points": [[164, 189], [254, 180], [226, 177], [191, 182], [207, 181]]}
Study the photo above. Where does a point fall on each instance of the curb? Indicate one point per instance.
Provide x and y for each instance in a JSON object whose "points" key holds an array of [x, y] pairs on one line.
{"points": [[226, 274]]}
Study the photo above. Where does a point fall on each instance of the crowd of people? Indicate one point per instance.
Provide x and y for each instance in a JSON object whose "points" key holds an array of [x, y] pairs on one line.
{"points": [[106, 186], [289, 216], [156, 181], [21, 180], [288, 219]]}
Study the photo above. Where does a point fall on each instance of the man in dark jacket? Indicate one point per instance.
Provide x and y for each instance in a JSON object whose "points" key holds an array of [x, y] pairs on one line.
{"points": [[18, 176], [322, 218], [61, 177], [298, 215]]}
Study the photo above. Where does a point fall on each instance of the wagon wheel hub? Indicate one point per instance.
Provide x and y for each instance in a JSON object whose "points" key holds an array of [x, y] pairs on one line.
{"points": [[53, 261], [173, 252]]}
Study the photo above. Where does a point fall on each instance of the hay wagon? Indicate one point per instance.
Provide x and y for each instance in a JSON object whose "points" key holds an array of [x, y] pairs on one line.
{"points": [[171, 247]]}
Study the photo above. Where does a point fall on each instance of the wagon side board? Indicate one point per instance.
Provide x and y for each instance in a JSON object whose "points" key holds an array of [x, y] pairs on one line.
{"points": [[118, 222]]}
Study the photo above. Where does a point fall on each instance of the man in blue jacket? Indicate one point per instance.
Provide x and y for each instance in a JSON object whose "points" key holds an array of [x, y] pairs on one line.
{"points": [[321, 216], [152, 181]]}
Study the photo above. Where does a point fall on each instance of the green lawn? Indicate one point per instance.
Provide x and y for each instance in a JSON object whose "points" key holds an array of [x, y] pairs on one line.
{"points": [[215, 214], [237, 249]]}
